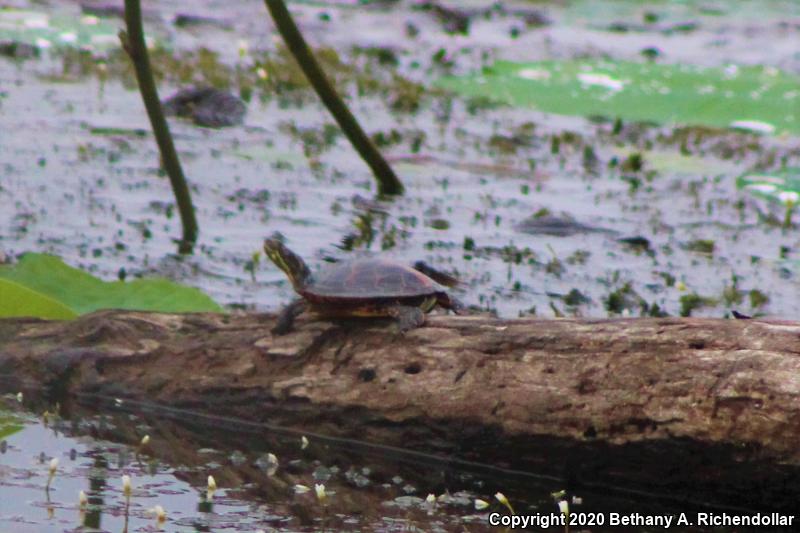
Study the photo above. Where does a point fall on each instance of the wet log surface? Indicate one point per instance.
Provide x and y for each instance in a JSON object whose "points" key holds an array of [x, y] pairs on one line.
{"points": [[700, 409]]}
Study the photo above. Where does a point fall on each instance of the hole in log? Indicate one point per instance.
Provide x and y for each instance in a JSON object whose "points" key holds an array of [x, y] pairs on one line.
{"points": [[366, 374], [413, 368], [590, 432], [586, 386], [697, 344]]}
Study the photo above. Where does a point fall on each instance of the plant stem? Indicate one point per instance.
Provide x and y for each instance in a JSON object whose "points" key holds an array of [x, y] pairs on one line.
{"points": [[787, 216], [388, 182], [134, 45]]}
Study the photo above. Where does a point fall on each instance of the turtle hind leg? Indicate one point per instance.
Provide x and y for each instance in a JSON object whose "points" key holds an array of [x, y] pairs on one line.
{"points": [[407, 317], [285, 321]]}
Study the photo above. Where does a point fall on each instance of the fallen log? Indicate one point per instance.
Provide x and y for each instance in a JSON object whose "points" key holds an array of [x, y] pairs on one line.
{"points": [[704, 409]]}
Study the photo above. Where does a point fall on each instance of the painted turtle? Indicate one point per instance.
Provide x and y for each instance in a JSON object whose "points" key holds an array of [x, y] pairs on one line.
{"points": [[361, 288]]}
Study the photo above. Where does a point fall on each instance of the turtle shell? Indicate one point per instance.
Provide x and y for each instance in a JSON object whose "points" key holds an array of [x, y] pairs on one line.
{"points": [[370, 279]]}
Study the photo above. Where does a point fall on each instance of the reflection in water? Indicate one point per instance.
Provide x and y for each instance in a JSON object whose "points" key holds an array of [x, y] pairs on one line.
{"points": [[97, 484], [233, 475], [104, 486]]}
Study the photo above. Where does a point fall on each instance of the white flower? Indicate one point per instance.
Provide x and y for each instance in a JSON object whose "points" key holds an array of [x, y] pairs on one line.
{"points": [[160, 513], [19, 397], [502, 499], [145, 440], [301, 489], [431, 499], [303, 442], [272, 464], [212, 484], [480, 505], [82, 499], [788, 197], [320, 490], [563, 506], [53, 466], [126, 485], [261, 73]]}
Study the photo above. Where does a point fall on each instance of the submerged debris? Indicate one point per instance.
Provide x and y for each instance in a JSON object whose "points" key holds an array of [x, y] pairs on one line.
{"points": [[18, 50], [206, 106], [562, 226]]}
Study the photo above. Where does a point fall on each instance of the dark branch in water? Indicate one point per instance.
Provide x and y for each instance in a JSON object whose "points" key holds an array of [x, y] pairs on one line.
{"points": [[388, 182], [134, 45]]}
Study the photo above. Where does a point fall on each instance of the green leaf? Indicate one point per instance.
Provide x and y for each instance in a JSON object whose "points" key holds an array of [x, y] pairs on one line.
{"points": [[782, 186], [44, 29], [16, 300], [83, 293], [9, 424], [755, 98]]}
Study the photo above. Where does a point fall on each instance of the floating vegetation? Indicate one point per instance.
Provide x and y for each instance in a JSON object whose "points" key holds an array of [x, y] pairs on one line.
{"points": [[43, 30], [753, 98], [56, 290]]}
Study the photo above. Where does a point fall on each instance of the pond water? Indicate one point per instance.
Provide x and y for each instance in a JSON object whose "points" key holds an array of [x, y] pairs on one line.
{"points": [[81, 177], [662, 227], [254, 490], [266, 479]]}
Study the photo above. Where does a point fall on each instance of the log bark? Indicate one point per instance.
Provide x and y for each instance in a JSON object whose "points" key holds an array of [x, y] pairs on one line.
{"points": [[705, 409]]}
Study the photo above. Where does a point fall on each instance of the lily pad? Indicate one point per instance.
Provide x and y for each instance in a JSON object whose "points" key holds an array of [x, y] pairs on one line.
{"points": [[45, 30], [17, 300], [83, 293], [759, 99], [9, 424], [782, 187]]}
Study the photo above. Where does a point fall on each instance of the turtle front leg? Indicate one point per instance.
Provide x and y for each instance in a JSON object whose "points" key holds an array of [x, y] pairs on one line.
{"points": [[285, 321], [407, 317], [458, 307], [451, 303]]}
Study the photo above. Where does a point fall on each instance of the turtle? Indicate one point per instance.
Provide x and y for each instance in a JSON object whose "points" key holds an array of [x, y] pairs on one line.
{"points": [[370, 287]]}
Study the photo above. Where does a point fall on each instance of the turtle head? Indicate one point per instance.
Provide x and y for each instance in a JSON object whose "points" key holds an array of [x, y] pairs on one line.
{"points": [[288, 261]]}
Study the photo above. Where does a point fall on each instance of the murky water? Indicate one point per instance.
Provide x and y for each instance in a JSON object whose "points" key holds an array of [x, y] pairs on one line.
{"points": [[80, 178], [81, 182], [254, 490], [266, 479]]}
